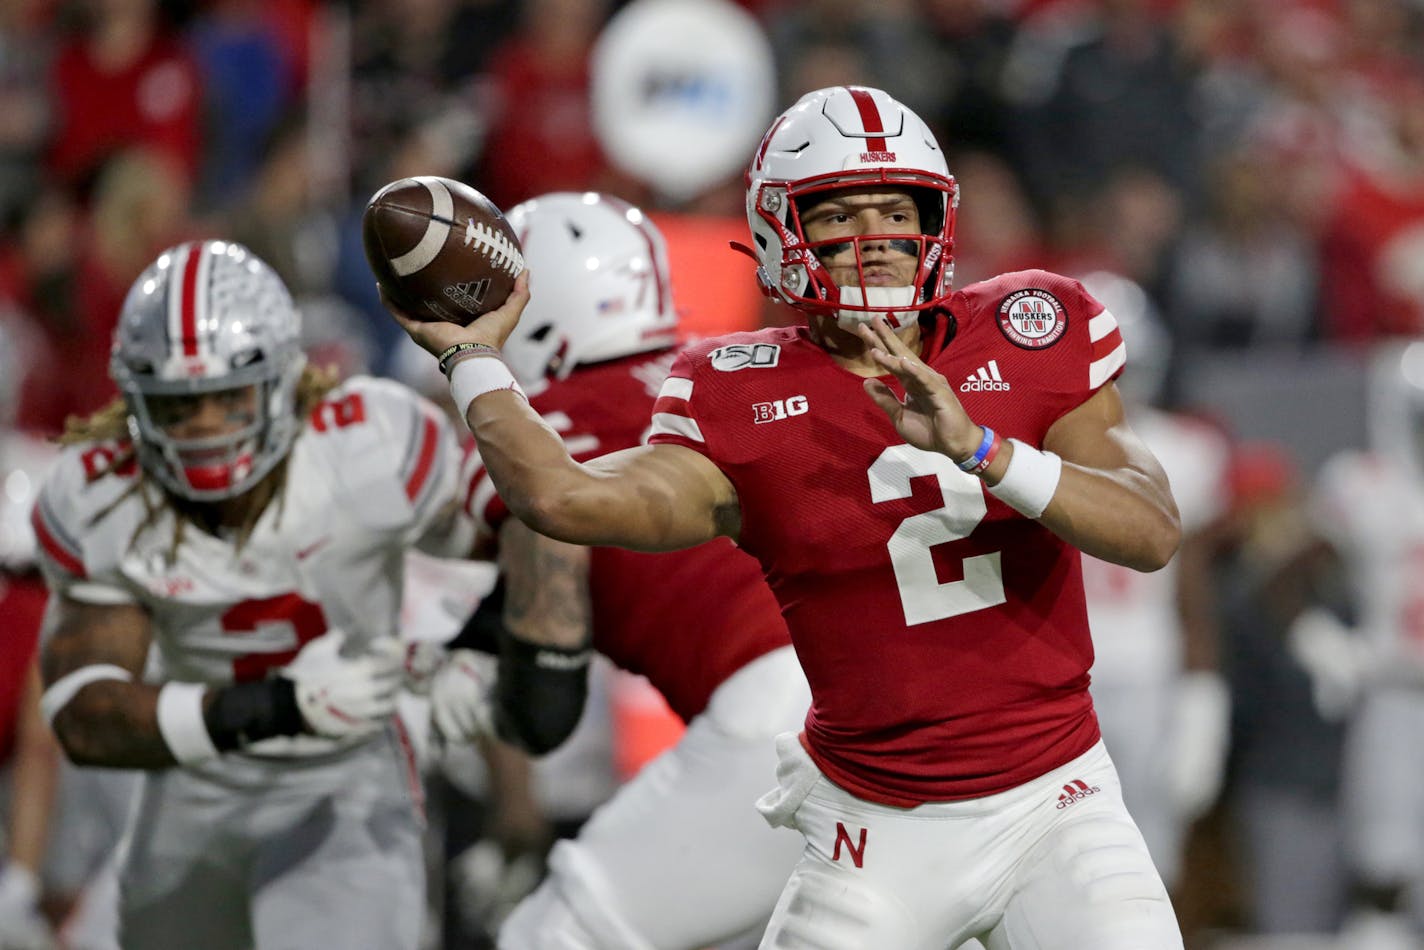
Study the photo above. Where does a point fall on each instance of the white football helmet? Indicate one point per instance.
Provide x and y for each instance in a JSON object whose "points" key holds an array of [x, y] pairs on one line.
{"points": [[600, 285], [205, 317], [843, 137]]}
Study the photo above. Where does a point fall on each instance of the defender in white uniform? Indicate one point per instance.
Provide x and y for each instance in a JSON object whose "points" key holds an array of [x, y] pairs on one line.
{"points": [[1164, 709], [249, 524], [1370, 507]]}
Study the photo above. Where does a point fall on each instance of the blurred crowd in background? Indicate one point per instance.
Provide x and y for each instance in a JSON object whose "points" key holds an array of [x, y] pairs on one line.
{"points": [[1255, 167]]}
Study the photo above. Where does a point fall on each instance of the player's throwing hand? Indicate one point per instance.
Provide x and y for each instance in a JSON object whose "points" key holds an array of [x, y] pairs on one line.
{"points": [[491, 329]]}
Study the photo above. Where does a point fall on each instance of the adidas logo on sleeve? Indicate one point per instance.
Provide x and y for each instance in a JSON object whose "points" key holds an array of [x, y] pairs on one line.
{"points": [[985, 379]]}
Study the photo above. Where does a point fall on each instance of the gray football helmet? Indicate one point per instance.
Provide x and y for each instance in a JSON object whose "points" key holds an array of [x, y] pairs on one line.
{"points": [[205, 317]]}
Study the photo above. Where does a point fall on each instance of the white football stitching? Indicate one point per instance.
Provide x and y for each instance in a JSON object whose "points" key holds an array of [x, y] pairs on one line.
{"points": [[495, 246]]}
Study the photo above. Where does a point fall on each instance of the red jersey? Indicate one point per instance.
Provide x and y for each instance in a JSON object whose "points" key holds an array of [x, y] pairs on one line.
{"points": [[153, 100], [1374, 282], [944, 635], [686, 620]]}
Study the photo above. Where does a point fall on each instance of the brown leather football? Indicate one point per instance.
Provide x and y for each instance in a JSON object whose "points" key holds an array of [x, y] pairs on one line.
{"points": [[440, 249]]}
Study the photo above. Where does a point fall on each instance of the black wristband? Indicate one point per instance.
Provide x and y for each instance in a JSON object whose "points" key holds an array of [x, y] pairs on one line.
{"points": [[247, 712], [485, 628], [540, 693]]}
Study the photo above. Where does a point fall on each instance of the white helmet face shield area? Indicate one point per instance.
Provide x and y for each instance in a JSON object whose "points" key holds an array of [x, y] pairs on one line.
{"points": [[211, 328], [204, 467], [850, 139]]}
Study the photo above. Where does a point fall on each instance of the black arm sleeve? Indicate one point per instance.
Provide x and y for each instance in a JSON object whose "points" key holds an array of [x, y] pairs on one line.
{"points": [[246, 712], [485, 628], [540, 693]]}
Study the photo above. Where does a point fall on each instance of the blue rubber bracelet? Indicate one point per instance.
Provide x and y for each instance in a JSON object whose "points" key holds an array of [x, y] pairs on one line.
{"points": [[973, 463]]}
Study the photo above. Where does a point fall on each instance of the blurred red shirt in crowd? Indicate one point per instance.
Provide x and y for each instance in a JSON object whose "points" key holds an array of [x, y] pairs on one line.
{"points": [[122, 84]]}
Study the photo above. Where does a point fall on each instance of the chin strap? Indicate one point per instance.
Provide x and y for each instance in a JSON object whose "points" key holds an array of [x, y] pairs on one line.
{"points": [[763, 279]]}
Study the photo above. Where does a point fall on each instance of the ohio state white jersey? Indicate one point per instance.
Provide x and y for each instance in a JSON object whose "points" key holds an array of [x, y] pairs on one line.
{"points": [[373, 472], [1372, 510], [1137, 631]]}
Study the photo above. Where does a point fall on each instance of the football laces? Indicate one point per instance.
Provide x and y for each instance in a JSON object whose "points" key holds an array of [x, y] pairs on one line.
{"points": [[494, 246]]}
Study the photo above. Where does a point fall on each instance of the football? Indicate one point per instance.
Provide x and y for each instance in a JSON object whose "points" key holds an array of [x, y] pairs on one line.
{"points": [[440, 249]]}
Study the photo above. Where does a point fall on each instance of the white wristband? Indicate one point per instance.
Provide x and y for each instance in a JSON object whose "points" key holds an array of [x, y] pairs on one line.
{"points": [[180, 720], [474, 377], [1030, 480], [68, 686]]}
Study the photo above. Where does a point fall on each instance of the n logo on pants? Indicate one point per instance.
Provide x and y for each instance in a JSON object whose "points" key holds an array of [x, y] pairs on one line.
{"points": [[857, 850]]}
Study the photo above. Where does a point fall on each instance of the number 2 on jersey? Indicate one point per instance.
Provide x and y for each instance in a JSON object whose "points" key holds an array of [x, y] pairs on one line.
{"points": [[922, 595], [300, 621]]}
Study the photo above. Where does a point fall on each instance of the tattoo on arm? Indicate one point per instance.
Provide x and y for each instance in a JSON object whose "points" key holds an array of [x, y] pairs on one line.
{"points": [[546, 584]]}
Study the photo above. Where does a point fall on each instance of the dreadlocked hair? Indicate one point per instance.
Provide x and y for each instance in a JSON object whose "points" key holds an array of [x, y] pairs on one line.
{"points": [[110, 424]]}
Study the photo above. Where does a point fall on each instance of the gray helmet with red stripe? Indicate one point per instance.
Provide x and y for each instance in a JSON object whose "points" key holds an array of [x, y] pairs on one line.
{"points": [[601, 288], [848, 137], [205, 317]]}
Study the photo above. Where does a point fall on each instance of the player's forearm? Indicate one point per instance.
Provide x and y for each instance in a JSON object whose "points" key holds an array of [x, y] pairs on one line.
{"points": [[33, 780], [113, 724], [647, 498], [531, 469], [546, 598], [1121, 516]]}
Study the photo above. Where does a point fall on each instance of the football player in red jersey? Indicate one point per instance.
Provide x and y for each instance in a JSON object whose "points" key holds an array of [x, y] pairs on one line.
{"points": [[678, 859], [950, 781]]}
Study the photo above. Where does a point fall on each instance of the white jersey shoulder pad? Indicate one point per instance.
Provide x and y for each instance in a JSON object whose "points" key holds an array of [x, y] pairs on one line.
{"points": [[86, 514], [390, 454]]}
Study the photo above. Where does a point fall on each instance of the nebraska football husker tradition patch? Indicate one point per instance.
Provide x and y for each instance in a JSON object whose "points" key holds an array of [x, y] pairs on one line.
{"points": [[1032, 319]]}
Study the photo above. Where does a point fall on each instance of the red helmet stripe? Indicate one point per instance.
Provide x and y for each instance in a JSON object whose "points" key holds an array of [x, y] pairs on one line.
{"points": [[766, 141], [189, 305], [870, 117]]}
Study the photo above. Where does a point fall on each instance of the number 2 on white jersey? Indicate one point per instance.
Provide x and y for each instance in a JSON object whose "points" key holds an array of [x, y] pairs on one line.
{"points": [[922, 595]]}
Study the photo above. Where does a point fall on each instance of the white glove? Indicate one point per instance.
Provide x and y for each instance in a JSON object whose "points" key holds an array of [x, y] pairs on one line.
{"points": [[422, 660], [1200, 741], [343, 697], [22, 926], [462, 696], [1338, 660]]}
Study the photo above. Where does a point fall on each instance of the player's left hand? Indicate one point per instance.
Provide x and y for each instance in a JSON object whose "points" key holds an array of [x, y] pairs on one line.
{"points": [[343, 697], [930, 417], [491, 329], [462, 696]]}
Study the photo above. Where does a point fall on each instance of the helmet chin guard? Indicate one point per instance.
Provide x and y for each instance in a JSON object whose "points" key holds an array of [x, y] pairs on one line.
{"points": [[207, 317], [834, 139]]}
